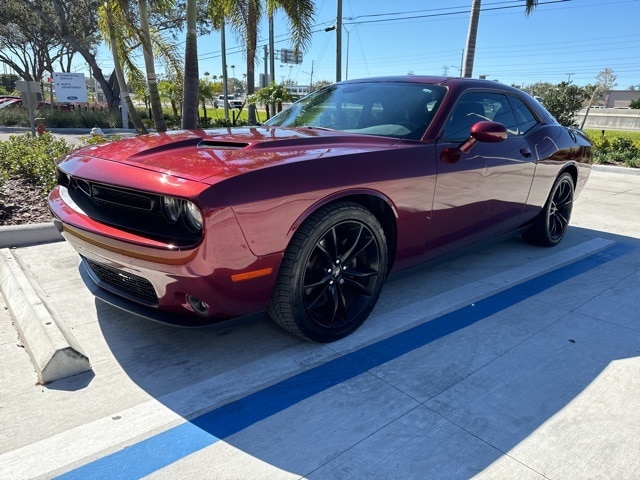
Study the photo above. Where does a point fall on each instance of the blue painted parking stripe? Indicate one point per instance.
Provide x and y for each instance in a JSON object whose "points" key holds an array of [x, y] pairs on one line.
{"points": [[165, 448]]}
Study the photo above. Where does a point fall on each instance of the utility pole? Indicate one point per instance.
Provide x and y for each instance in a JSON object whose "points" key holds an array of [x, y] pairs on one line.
{"points": [[272, 52], [339, 42], [470, 51], [265, 80], [224, 72], [272, 61]]}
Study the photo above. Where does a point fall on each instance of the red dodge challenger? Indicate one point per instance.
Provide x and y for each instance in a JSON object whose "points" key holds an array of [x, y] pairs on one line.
{"points": [[306, 215]]}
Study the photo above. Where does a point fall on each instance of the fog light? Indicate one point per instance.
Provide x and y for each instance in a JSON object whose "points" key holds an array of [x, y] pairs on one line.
{"points": [[200, 307]]}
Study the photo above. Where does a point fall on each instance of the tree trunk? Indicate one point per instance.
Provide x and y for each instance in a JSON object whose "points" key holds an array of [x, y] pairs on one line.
{"points": [[190, 87], [152, 82], [252, 43], [133, 113]]}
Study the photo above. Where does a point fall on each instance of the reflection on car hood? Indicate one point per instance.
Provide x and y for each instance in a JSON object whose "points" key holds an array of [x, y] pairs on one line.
{"points": [[221, 153]]}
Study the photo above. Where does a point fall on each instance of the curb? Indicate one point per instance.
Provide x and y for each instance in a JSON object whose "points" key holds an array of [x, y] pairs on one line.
{"points": [[53, 350], [616, 169], [26, 235]]}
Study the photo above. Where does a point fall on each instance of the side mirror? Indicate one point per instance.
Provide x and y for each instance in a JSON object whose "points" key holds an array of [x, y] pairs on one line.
{"points": [[485, 131]]}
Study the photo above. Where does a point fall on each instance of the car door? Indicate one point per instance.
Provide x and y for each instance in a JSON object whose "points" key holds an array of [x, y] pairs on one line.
{"points": [[481, 193]]}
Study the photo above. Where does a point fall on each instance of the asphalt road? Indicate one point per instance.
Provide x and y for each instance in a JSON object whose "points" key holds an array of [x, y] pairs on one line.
{"points": [[510, 361]]}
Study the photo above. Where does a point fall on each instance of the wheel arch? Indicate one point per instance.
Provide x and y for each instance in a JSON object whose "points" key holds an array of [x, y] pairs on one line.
{"points": [[572, 170], [379, 205]]}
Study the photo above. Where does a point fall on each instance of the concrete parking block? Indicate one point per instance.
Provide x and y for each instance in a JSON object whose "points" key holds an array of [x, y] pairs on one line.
{"points": [[24, 235], [52, 348]]}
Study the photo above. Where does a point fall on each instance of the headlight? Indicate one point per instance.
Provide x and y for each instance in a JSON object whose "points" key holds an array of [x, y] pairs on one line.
{"points": [[172, 207], [192, 216]]}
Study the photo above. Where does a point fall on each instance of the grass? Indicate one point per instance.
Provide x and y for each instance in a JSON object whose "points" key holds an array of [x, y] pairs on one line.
{"points": [[616, 147], [633, 136]]}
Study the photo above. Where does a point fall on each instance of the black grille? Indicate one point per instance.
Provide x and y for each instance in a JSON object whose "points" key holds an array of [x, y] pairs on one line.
{"points": [[131, 210], [126, 283], [122, 197]]}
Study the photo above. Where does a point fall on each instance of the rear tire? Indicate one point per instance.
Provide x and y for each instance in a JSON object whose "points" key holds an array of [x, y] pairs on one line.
{"points": [[331, 274], [552, 222]]}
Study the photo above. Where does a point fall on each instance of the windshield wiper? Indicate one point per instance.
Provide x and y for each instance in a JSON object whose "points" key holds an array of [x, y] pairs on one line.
{"points": [[313, 127]]}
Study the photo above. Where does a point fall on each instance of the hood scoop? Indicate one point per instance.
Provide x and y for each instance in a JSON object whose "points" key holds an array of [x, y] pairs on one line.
{"points": [[221, 145]]}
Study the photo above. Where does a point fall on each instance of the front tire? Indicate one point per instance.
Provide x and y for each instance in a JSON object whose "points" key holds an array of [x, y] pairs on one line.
{"points": [[552, 222], [331, 274]]}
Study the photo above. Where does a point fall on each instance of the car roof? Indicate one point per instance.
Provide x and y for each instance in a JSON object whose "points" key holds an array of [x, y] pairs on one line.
{"points": [[452, 82]]}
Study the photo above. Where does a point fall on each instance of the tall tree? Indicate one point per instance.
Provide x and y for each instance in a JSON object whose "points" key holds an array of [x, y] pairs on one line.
{"points": [[75, 25], [147, 53], [112, 25], [139, 28], [605, 80], [171, 90], [244, 17], [190, 85], [27, 44], [470, 50]]}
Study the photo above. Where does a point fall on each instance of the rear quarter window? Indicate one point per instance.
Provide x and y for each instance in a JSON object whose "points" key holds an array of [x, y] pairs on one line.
{"points": [[526, 120]]}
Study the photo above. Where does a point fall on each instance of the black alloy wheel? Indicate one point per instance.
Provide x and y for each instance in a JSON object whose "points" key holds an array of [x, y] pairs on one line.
{"points": [[553, 221], [332, 273]]}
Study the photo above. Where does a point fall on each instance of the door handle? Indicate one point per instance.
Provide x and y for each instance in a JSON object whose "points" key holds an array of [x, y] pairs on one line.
{"points": [[525, 152]]}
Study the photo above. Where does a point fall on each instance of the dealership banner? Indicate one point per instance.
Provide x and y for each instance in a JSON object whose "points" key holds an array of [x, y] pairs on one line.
{"points": [[70, 87]]}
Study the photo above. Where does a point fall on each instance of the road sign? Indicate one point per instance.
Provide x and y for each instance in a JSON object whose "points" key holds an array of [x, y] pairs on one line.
{"points": [[290, 56], [70, 87]]}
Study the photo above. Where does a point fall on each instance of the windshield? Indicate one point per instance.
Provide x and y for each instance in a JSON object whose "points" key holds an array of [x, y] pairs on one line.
{"points": [[393, 109]]}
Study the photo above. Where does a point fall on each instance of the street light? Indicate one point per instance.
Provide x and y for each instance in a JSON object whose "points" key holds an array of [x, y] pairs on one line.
{"points": [[339, 52]]}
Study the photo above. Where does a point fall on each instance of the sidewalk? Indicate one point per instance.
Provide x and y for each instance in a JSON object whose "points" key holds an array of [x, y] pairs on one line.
{"points": [[71, 135]]}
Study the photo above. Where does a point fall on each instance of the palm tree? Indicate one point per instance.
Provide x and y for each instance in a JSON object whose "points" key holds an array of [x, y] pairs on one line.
{"points": [[470, 50], [191, 81], [137, 27], [206, 91], [171, 90], [244, 17], [147, 53], [110, 22]]}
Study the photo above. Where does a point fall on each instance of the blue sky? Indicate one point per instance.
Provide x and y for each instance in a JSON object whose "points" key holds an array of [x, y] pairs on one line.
{"points": [[561, 40]]}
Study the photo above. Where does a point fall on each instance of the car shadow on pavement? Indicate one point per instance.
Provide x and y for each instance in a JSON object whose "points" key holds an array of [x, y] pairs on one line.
{"points": [[505, 380]]}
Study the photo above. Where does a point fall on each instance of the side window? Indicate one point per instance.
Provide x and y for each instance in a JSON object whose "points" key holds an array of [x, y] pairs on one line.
{"points": [[526, 119], [476, 106]]}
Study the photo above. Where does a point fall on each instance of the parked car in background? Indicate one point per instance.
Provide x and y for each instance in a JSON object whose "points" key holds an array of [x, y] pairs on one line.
{"points": [[307, 215], [232, 102], [16, 102], [6, 98], [10, 102]]}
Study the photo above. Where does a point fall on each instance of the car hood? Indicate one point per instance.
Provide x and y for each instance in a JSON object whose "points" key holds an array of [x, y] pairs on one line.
{"points": [[213, 155]]}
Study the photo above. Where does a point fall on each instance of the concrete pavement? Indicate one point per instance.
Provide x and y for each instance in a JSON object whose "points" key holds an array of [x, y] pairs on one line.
{"points": [[508, 362]]}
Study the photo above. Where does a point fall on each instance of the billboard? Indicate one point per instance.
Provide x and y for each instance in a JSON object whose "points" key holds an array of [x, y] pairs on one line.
{"points": [[70, 87], [290, 56]]}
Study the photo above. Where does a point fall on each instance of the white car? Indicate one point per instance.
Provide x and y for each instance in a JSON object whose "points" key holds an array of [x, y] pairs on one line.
{"points": [[232, 102]]}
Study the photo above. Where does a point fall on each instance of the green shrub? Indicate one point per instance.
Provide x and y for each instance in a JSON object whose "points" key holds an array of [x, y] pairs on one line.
{"points": [[617, 148], [54, 118], [624, 145], [79, 118], [32, 158], [632, 162], [13, 117]]}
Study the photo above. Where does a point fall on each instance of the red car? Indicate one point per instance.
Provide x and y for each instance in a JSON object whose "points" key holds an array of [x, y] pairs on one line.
{"points": [[307, 215]]}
